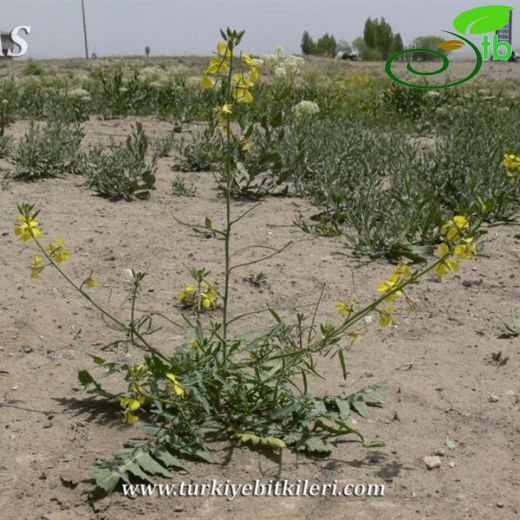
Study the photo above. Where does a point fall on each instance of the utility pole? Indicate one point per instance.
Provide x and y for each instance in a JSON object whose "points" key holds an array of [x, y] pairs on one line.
{"points": [[84, 28]]}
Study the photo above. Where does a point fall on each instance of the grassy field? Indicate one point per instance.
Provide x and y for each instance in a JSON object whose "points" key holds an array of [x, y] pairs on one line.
{"points": [[386, 219]]}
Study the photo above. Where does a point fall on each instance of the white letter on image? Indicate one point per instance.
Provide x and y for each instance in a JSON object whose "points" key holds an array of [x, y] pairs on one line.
{"points": [[18, 40]]}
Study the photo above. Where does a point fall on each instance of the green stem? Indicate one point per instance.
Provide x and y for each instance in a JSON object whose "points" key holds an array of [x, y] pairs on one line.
{"points": [[413, 279], [229, 222], [128, 330]]}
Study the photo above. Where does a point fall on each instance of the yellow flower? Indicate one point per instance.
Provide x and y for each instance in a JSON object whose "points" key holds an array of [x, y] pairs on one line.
{"points": [[207, 83], [466, 250], [129, 405], [202, 298], [241, 85], [451, 230], [241, 94], [223, 50], [27, 228], [217, 65], [248, 60], [443, 249], [57, 251], [91, 282], [37, 266], [446, 265], [226, 109], [130, 418], [57, 243], [403, 269], [389, 284], [176, 387], [62, 255], [345, 308], [223, 114], [401, 272], [254, 74], [512, 161], [511, 178], [186, 293], [209, 290], [247, 97], [461, 222]]}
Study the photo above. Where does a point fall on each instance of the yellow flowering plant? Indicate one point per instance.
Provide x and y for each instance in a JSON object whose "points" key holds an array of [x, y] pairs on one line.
{"points": [[200, 296], [249, 388], [458, 243], [255, 164], [512, 164]]}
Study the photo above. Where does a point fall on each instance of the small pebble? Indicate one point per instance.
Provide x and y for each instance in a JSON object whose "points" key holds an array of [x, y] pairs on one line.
{"points": [[432, 462]]}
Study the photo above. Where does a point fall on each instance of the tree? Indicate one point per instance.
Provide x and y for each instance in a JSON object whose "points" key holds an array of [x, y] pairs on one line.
{"points": [[370, 33], [326, 45], [147, 51], [308, 45], [426, 42], [397, 44], [378, 40], [385, 38]]}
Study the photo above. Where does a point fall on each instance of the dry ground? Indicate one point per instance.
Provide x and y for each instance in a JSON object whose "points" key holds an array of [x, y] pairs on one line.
{"points": [[437, 361]]}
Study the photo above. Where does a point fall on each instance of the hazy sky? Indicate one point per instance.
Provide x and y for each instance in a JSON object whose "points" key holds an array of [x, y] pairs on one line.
{"points": [[177, 27]]}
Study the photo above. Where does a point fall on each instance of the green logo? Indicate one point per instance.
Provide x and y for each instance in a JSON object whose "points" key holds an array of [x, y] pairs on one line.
{"points": [[480, 20]]}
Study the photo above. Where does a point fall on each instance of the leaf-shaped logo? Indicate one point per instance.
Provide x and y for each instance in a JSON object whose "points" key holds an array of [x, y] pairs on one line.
{"points": [[451, 45], [483, 19]]}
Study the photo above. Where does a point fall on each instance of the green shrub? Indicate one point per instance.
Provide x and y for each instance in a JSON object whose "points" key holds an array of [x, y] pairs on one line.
{"points": [[182, 188], [201, 154], [5, 145], [123, 170], [388, 192], [162, 146], [33, 69], [47, 150]]}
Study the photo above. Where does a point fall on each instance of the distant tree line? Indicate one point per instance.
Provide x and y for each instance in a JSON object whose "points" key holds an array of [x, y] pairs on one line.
{"points": [[377, 43], [426, 42], [325, 46]]}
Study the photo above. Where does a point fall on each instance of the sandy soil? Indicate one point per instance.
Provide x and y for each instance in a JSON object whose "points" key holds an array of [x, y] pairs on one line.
{"points": [[438, 361]]}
